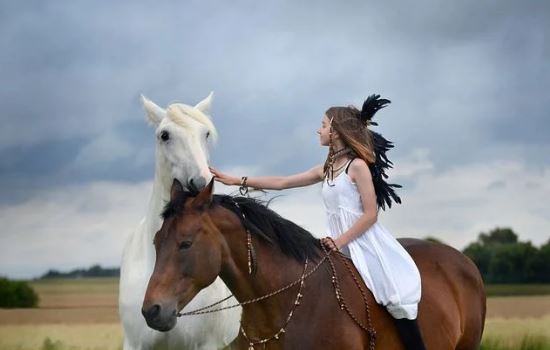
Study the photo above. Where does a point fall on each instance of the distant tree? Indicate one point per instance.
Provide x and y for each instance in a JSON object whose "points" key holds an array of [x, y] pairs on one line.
{"points": [[540, 264], [481, 256], [16, 294], [52, 274], [509, 263], [93, 271], [502, 258], [498, 235]]}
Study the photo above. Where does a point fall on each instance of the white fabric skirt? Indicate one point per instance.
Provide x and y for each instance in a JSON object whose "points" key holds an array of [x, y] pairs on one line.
{"points": [[385, 266]]}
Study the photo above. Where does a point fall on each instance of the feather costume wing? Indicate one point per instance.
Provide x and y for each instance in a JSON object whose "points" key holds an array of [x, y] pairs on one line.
{"points": [[385, 192]]}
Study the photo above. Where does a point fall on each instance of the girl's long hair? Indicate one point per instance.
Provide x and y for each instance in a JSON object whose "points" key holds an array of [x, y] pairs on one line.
{"points": [[346, 121]]}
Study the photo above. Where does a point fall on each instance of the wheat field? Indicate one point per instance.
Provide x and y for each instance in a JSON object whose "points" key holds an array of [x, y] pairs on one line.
{"points": [[82, 315]]}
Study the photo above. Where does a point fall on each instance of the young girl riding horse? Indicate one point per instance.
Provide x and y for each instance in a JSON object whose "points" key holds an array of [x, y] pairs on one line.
{"points": [[353, 190]]}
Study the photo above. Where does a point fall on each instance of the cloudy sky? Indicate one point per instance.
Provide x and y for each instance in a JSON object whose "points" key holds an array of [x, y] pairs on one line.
{"points": [[469, 83]]}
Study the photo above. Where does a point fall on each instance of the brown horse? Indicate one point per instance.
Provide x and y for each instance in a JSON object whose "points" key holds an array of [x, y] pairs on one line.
{"points": [[205, 236]]}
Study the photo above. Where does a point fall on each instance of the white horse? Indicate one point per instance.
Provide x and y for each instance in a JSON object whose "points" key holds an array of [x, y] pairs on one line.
{"points": [[182, 135]]}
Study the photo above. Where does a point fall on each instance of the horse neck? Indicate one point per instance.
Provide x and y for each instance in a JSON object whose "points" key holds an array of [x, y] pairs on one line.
{"points": [[274, 270], [159, 196]]}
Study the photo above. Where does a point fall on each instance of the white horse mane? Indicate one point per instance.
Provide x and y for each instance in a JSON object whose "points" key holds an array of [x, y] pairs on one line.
{"points": [[177, 112]]}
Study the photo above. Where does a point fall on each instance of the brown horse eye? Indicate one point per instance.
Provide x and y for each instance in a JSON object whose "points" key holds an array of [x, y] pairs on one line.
{"points": [[185, 244]]}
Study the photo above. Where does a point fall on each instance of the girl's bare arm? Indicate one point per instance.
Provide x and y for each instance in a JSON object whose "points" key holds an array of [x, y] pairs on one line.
{"points": [[305, 178]]}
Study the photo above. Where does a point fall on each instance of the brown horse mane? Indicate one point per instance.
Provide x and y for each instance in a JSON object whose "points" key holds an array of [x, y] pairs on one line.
{"points": [[292, 240]]}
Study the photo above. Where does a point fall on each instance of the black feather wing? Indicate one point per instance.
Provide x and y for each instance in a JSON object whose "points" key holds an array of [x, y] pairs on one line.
{"points": [[372, 105], [385, 192]]}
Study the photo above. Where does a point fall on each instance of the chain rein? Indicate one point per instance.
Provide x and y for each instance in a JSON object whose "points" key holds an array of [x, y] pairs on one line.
{"points": [[369, 329], [205, 309]]}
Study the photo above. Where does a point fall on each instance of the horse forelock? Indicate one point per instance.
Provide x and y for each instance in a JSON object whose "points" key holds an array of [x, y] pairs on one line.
{"points": [[184, 115], [176, 205]]}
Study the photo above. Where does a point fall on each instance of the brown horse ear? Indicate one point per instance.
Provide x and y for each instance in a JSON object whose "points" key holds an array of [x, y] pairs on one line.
{"points": [[204, 199], [176, 190]]}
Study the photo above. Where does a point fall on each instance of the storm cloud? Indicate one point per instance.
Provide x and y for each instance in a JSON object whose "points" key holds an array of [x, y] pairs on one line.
{"points": [[468, 81]]}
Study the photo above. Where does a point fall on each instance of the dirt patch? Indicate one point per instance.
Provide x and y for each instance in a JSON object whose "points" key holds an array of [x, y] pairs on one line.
{"points": [[518, 307], [69, 301], [59, 316]]}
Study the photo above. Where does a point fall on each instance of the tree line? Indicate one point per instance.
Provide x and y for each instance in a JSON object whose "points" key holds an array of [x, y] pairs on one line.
{"points": [[499, 255], [502, 258], [94, 271]]}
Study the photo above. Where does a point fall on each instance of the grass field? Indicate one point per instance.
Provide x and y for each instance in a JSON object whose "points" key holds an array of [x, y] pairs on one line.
{"points": [[77, 314], [99, 336], [82, 315], [503, 290]]}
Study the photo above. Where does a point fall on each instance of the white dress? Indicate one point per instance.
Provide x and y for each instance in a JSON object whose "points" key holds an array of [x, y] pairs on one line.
{"points": [[386, 267]]}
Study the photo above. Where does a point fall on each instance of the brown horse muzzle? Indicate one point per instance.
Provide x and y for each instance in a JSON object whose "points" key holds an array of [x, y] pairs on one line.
{"points": [[160, 317]]}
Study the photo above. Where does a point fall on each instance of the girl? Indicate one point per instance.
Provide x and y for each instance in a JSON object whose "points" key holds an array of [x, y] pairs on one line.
{"points": [[353, 190]]}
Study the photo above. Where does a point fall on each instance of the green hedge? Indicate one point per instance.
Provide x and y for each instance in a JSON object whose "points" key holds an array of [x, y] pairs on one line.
{"points": [[16, 294], [502, 258]]}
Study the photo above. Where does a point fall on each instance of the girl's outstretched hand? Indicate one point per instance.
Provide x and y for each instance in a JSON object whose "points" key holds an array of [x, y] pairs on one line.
{"points": [[224, 178]]}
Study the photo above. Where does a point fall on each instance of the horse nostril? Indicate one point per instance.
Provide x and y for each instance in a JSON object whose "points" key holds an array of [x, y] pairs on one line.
{"points": [[153, 311], [199, 183], [192, 186]]}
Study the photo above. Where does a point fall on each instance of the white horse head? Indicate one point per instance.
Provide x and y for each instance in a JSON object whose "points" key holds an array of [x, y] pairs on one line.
{"points": [[182, 133]]}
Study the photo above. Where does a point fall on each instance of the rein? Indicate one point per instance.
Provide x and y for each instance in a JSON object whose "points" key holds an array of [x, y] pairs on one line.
{"points": [[209, 308], [369, 329]]}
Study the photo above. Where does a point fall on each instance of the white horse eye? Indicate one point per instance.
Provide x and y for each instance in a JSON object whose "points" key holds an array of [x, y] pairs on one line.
{"points": [[164, 136], [207, 134]]}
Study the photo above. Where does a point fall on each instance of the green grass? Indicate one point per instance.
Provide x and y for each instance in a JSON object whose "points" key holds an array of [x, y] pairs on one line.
{"points": [[504, 290], [90, 285], [527, 343], [87, 285]]}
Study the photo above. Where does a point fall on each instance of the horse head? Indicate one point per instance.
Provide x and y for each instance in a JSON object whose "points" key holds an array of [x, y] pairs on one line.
{"points": [[182, 135], [189, 251], [204, 236]]}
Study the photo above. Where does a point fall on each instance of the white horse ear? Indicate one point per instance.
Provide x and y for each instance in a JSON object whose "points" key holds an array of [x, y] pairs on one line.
{"points": [[153, 112], [204, 105]]}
